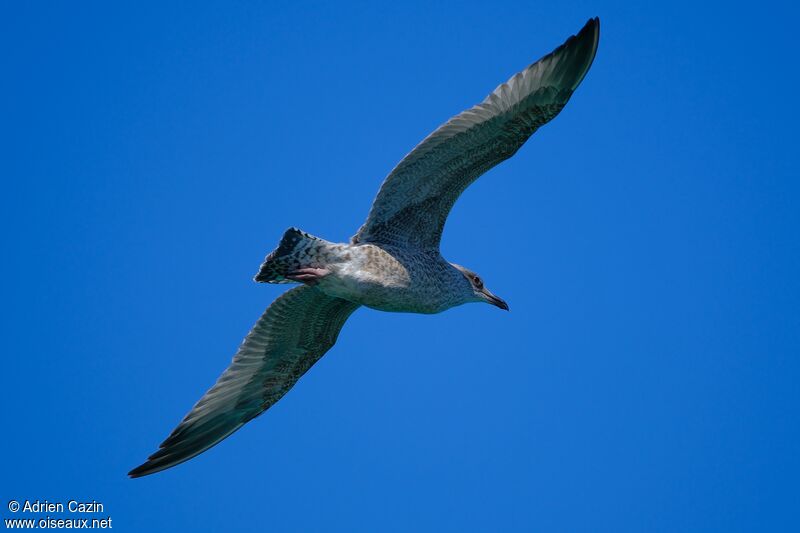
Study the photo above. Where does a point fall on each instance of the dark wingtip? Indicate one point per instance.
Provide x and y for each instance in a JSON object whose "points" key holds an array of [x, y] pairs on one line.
{"points": [[152, 466], [591, 24], [591, 28], [141, 470], [583, 46]]}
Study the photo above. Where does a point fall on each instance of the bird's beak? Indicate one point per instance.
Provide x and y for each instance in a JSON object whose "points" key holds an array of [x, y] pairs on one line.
{"points": [[494, 300]]}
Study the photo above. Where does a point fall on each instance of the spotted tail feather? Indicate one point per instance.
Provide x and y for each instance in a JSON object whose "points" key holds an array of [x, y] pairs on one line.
{"points": [[293, 252]]}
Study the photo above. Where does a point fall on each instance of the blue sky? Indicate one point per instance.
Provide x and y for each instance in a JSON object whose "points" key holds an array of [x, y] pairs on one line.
{"points": [[646, 241]]}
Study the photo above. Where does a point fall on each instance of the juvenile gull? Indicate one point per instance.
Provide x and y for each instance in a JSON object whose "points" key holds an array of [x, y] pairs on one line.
{"points": [[393, 262]]}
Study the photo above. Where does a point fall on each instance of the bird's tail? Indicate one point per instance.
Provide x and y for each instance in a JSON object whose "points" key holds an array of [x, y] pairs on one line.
{"points": [[297, 249]]}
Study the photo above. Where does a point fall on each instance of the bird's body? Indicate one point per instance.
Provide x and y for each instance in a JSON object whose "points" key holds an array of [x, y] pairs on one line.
{"points": [[393, 263], [380, 276], [393, 279]]}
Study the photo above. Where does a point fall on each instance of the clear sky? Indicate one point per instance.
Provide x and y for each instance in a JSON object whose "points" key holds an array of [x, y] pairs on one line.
{"points": [[646, 378]]}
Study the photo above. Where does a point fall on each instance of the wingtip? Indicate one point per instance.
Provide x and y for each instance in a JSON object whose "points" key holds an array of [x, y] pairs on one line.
{"points": [[156, 463], [160, 461], [139, 471], [592, 26], [150, 467], [153, 464], [585, 42]]}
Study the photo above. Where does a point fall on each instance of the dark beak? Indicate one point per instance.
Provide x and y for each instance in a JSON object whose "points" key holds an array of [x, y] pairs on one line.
{"points": [[494, 300]]}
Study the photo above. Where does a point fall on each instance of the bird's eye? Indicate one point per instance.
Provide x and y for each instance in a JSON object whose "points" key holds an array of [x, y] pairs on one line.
{"points": [[477, 281]]}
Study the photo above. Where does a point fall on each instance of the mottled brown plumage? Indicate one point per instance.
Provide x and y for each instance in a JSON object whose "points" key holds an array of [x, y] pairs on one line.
{"points": [[393, 262]]}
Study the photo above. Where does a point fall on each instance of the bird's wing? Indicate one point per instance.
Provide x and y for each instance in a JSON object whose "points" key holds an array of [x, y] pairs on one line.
{"points": [[415, 199], [292, 334]]}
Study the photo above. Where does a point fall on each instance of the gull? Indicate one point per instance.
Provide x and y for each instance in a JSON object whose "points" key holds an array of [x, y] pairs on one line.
{"points": [[393, 263]]}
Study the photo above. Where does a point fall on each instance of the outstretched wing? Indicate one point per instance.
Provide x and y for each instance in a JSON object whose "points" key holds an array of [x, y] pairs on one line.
{"points": [[292, 334], [413, 203]]}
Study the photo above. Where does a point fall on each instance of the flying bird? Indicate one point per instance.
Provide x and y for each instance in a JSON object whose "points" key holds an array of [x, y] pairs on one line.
{"points": [[393, 263]]}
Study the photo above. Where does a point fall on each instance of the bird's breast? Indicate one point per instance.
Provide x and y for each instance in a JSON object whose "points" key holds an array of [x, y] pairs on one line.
{"points": [[386, 280]]}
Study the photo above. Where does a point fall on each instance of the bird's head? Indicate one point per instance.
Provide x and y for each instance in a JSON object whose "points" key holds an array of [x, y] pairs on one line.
{"points": [[477, 292]]}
